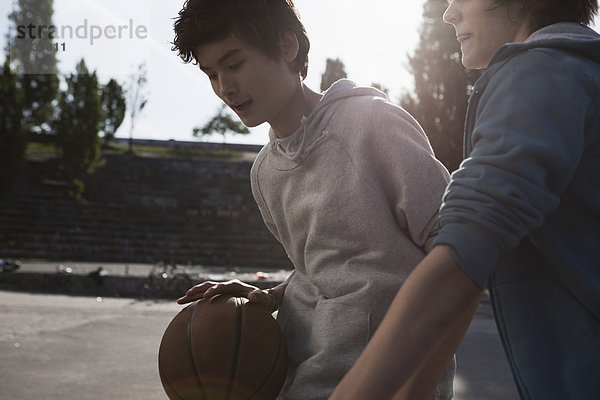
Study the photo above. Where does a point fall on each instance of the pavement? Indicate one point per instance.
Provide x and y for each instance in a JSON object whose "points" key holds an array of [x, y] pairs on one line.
{"points": [[70, 347]]}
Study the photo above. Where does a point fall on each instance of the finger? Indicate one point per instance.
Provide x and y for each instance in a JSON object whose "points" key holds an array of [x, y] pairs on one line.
{"points": [[261, 298], [210, 289], [188, 299], [195, 292], [235, 288], [200, 288]]}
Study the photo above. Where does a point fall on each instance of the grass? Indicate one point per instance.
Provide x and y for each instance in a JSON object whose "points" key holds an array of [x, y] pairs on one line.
{"points": [[41, 148], [47, 150], [186, 154]]}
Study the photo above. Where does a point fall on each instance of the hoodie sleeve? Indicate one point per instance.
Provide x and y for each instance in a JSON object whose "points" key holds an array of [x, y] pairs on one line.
{"points": [[398, 161], [527, 141]]}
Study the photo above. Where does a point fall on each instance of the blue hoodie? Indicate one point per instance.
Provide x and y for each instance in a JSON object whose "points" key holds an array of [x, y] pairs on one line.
{"points": [[522, 213]]}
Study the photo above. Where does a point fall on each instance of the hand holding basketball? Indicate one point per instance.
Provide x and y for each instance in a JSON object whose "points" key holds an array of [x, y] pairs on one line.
{"points": [[209, 289]]}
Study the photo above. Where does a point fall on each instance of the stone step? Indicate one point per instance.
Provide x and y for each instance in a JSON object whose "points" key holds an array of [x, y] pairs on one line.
{"points": [[138, 208]]}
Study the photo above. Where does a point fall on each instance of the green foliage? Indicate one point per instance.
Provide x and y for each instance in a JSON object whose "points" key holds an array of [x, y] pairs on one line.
{"points": [[380, 87], [334, 71], [37, 148], [13, 140], [222, 123], [442, 85], [113, 109], [35, 62], [77, 126], [77, 189], [41, 91], [137, 97]]}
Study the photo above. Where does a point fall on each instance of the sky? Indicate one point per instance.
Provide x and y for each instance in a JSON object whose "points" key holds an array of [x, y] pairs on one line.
{"points": [[372, 38]]}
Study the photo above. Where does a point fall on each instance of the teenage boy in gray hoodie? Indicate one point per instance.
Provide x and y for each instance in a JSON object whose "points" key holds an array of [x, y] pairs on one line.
{"points": [[522, 213], [348, 184]]}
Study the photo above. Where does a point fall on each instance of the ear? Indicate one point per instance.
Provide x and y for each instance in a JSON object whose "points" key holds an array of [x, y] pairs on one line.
{"points": [[288, 42]]}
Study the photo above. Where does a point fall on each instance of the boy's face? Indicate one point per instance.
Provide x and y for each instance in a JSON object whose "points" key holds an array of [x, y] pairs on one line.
{"points": [[254, 86], [482, 28]]}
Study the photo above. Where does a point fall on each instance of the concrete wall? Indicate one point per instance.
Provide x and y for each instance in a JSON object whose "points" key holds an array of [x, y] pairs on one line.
{"points": [[140, 209]]}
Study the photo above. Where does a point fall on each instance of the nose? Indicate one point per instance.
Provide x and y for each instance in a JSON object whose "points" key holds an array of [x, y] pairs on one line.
{"points": [[451, 14], [227, 86]]}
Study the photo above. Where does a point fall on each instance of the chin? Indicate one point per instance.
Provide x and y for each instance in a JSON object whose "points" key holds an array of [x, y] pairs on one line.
{"points": [[251, 124], [469, 64]]}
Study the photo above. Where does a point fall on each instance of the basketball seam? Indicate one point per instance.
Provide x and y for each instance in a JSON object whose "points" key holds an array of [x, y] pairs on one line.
{"points": [[272, 368], [166, 381], [236, 356], [189, 345]]}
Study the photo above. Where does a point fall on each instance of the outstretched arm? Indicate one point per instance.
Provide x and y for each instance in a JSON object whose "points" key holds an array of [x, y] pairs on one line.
{"points": [[422, 384], [422, 320]]}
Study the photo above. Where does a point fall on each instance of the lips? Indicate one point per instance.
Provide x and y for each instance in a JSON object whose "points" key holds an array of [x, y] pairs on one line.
{"points": [[241, 107], [462, 37]]}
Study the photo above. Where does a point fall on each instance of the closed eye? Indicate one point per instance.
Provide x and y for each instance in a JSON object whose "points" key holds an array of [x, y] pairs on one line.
{"points": [[236, 66]]}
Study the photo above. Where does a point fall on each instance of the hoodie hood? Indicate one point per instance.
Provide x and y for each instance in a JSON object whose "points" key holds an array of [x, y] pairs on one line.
{"points": [[566, 36], [290, 151]]}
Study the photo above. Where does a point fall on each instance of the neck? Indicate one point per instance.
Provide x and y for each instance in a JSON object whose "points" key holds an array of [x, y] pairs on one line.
{"points": [[522, 34], [523, 30], [300, 104]]}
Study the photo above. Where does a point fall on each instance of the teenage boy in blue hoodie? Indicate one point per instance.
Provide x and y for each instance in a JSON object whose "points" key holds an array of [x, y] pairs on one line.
{"points": [[522, 213], [348, 183]]}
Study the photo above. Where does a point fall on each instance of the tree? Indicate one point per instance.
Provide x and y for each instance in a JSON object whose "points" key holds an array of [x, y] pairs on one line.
{"points": [[136, 98], [334, 70], [12, 137], [222, 123], [381, 88], [113, 110], [77, 126], [442, 85], [34, 56]]}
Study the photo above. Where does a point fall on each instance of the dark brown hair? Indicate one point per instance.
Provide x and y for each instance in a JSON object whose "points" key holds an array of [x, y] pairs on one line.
{"points": [[258, 22], [547, 12]]}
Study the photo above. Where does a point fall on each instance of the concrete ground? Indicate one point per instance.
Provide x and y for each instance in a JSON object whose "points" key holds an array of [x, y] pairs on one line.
{"points": [[482, 368], [57, 347]]}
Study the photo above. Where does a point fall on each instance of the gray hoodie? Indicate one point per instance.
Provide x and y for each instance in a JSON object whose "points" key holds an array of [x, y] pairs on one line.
{"points": [[353, 196]]}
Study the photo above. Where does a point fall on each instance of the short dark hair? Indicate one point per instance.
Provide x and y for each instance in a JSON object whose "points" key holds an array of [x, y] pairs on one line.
{"points": [[547, 12], [258, 22]]}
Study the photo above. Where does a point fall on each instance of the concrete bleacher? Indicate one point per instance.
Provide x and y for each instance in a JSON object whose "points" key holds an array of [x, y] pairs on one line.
{"points": [[140, 209]]}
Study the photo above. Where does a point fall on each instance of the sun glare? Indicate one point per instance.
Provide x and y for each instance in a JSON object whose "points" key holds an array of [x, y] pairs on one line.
{"points": [[371, 38]]}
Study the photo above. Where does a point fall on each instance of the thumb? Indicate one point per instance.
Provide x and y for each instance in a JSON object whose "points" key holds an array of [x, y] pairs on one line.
{"points": [[260, 297]]}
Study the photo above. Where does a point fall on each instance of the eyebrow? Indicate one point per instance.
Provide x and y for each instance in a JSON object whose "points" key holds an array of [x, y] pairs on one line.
{"points": [[223, 58]]}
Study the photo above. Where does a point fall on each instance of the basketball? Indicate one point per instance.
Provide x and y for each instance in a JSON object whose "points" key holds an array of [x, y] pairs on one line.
{"points": [[223, 348]]}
